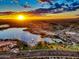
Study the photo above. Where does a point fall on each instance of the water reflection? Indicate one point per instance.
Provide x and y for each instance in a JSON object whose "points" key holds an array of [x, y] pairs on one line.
{"points": [[18, 33]]}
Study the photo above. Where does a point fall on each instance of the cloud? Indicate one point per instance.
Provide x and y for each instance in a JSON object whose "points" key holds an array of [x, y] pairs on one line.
{"points": [[59, 6]]}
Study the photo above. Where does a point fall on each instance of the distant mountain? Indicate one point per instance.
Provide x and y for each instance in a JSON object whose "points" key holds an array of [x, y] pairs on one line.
{"points": [[6, 13]]}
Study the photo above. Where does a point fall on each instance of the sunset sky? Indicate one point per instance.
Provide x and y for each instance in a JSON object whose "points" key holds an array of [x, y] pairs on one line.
{"points": [[18, 5], [64, 15]]}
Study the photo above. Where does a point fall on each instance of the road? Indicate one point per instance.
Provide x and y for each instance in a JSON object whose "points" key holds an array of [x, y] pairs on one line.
{"points": [[52, 54]]}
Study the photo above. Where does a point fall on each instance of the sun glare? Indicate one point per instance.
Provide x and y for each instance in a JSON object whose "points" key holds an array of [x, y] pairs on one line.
{"points": [[21, 17]]}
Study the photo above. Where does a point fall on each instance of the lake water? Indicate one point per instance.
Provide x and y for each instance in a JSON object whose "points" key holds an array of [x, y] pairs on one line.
{"points": [[18, 33]]}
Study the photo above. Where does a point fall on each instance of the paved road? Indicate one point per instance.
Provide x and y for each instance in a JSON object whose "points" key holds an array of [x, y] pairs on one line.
{"points": [[40, 53], [50, 53]]}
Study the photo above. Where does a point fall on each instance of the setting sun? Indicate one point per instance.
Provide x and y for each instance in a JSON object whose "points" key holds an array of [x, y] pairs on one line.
{"points": [[21, 17]]}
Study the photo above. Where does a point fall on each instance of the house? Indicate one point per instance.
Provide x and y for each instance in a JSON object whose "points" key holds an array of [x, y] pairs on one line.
{"points": [[9, 45]]}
